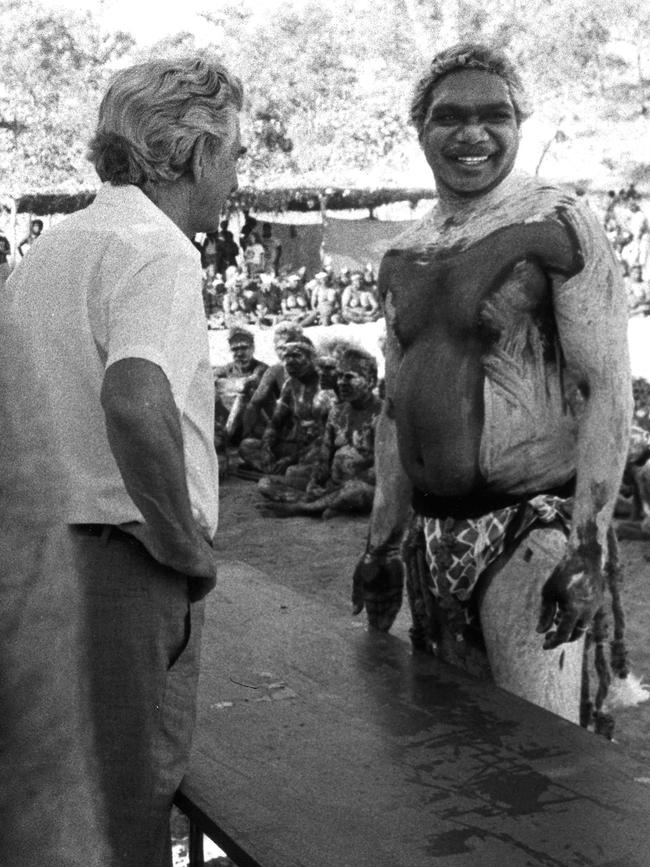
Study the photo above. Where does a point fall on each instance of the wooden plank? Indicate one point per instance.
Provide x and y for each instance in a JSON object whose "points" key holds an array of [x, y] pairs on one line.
{"points": [[319, 744]]}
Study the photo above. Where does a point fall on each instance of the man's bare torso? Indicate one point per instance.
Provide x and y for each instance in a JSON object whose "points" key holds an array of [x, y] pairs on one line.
{"points": [[482, 403]]}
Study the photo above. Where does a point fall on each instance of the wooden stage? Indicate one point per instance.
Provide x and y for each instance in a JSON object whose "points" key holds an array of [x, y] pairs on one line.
{"points": [[321, 745]]}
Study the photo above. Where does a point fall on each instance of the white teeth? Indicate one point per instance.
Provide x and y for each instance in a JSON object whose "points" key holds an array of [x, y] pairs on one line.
{"points": [[472, 161]]}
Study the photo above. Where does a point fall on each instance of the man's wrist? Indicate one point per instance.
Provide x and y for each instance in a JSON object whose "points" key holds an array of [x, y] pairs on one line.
{"points": [[391, 547]]}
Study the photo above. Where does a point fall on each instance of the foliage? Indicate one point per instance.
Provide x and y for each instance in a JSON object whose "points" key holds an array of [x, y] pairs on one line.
{"points": [[327, 85], [55, 65]]}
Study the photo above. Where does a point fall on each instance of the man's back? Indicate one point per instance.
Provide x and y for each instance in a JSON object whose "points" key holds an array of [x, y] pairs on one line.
{"points": [[89, 292]]}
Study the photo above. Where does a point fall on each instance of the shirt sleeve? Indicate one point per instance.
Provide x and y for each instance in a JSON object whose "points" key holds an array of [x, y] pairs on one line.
{"points": [[154, 311]]}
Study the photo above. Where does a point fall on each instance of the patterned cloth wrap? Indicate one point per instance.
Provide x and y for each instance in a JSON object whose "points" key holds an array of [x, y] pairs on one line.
{"points": [[458, 550]]}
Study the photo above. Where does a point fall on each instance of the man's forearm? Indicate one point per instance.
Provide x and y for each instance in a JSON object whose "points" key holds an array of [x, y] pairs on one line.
{"points": [[603, 443], [391, 506], [144, 434]]}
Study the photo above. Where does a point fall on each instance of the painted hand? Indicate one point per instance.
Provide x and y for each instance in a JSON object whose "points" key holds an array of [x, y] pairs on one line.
{"points": [[377, 586], [280, 466], [570, 598], [267, 459]]}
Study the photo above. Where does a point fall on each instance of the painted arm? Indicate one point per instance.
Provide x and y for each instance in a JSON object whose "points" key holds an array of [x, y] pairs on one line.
{"points": [[379, 575], [591, 315], [258, 399], [322, 467], [144, 433], [279, 421]]}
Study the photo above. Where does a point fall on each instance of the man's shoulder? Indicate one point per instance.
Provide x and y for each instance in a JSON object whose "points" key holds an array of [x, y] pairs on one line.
{"points": [[259, 367], [135, 223]]}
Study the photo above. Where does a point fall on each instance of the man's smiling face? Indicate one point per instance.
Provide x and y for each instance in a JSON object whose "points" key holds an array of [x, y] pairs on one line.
{"points": [[471, 133]]}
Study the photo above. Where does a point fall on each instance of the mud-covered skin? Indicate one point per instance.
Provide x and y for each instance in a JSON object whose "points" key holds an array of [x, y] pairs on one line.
{"points": [[444, 303], [507, 373], [377, 585]]}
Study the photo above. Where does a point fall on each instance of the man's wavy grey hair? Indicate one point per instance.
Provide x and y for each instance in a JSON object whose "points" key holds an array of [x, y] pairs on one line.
{"points": [[468, 55], [153, 114]]}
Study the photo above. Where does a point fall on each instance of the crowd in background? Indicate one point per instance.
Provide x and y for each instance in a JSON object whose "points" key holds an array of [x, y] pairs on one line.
{"points": [[628, 229], [244, 282], [304, 427]]}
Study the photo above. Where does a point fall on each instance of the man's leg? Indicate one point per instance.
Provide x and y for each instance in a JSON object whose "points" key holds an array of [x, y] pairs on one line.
{"points": [[353, 496], [509, 605], [50, 811], [142, 644]]}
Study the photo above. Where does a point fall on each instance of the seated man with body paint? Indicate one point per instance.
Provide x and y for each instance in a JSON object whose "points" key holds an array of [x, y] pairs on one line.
{"points": [[262, 403], [342, 478], [633, 505], [508, 402], [235, 383], [296, 426]]}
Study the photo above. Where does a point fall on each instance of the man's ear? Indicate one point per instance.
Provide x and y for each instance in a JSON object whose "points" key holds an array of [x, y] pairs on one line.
{"points": [[198, 158]]}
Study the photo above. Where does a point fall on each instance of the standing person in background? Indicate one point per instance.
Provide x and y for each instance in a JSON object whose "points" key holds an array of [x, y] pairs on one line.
{"points": [[272, 250], [245, 234], [117, 289], [209, 256], [254, 256], [227, 251], [35, 231]]}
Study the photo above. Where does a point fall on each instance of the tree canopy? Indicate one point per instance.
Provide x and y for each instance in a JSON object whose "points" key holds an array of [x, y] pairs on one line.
{"points": [[328, 85]]}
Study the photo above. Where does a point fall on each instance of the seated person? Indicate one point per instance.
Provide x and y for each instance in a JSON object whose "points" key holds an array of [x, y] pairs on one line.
{"points": [[235, 383], [325, 301], [211, 301], [344, 278], [298, 421], [343, 475], [242, 300], [263, 400], [369, 277], [249, 299], [358, 301], [328, 357], [633, 504], [269, 296], [294, 302]]}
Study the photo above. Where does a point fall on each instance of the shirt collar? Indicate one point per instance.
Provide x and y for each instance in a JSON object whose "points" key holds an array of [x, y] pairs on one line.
{"points": [[138, 204]]}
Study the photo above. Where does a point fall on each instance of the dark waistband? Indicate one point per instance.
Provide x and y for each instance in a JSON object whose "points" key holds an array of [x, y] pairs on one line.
{"points": [[479, 503]]}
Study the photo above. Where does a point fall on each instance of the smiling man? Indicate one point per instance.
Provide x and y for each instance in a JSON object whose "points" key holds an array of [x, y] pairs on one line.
{"points": [[508, 401]]}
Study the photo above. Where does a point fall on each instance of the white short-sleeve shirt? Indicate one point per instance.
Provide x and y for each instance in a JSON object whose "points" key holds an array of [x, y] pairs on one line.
{"points": [[117, 280]]}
